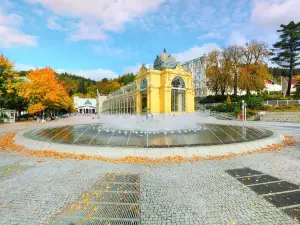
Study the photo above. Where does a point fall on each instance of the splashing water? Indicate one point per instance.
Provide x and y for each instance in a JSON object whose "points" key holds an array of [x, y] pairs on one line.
{"points": [[156, 123]]}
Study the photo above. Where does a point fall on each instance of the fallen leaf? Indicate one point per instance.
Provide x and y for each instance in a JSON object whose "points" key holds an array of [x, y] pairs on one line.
{"points": [[3, 205], [59, 211], [40, 161]]}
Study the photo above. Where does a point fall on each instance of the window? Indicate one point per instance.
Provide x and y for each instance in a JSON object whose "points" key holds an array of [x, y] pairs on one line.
{"points": [[178, 95]]}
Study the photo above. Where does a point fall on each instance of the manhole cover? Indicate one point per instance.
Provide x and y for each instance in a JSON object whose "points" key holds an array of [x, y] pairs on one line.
{"points": [[243, 172], [113, 200]]}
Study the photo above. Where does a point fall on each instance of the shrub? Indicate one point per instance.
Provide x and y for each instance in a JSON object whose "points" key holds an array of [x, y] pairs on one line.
{"points": [[226, 107], [228, 101], [255, 102], [297, 90]]}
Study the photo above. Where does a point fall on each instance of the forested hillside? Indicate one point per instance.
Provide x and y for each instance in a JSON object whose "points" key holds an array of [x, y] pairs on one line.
{"points": [[84, 87]]}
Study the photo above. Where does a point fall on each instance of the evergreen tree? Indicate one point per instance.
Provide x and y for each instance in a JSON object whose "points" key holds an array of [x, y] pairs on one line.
{"points": [[81, 88], [286, 51]]}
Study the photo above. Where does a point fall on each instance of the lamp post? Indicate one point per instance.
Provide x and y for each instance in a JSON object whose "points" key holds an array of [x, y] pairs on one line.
{"points": [[244, 110]]}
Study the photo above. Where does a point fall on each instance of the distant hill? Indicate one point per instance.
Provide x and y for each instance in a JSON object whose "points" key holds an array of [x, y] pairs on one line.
{"points": [[84, 87]]}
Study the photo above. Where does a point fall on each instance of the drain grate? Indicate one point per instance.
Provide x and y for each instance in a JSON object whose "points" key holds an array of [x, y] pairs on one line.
{"points": [[243, 172], [80, 221], [294, 213], [282, 194], [272, 188], [257, 179], [113, 200], [12, 169], [284, 199]]}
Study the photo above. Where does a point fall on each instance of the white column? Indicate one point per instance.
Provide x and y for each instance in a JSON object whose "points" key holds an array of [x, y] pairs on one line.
{"points": [[179, 99]]}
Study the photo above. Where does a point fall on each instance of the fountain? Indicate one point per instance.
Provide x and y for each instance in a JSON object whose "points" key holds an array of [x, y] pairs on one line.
{"points": [[148, 132], [166, 94]]}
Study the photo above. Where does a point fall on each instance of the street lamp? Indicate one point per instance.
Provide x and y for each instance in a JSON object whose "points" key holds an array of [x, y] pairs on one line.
{"points": [[244, 110]]}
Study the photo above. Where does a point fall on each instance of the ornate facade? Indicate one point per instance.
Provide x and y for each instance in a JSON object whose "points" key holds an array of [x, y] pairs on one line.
{"points": [[168, 88], [197, 68]]}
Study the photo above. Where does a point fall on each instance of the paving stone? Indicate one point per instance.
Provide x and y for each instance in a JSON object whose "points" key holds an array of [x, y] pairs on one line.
{"points": [[192, 193]]}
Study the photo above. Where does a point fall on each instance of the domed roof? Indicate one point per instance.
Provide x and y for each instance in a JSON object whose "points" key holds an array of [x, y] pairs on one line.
{"points": [[164, 61]]}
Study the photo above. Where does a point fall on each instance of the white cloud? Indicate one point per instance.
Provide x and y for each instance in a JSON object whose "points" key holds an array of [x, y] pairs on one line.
{"points": [[237, 38], [135, 69], [38, 12], [97, 17], [213, 35], [271, 13], [88, 31], [10, 33], [95, 74], [132, 69], [195, 52], [52, 24], [108, 50], [20, 67]]}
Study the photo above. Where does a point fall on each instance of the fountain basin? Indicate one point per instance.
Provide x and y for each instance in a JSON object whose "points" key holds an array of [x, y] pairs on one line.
{"points": [[101, 136], [204, 147]]}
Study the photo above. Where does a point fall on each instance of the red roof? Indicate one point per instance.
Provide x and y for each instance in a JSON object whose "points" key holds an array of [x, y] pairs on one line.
{"points": [[294, 81]]}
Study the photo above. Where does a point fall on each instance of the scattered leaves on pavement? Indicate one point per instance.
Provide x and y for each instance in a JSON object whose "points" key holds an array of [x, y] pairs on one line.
{"points": [[7, 144]]}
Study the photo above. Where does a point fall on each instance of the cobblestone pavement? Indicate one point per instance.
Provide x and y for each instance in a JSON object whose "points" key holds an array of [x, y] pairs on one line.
{"points": [[199, 193]]}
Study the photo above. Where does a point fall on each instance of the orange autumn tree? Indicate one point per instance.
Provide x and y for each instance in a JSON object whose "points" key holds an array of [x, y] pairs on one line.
{"points": [[253, 77], [44, 92], [254, 69]]}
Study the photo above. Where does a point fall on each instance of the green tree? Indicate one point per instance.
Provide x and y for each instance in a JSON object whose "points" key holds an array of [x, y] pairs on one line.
{"points": [[285, 52], [7, 74], [81, 88], [127, 78]]}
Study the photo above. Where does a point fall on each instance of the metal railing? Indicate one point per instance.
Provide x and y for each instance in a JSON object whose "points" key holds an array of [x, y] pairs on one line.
{"points": [[282, 102], [268, 102]]}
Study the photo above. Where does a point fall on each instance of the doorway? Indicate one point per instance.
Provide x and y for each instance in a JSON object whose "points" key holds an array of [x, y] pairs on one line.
{"points": [[144, 105]]}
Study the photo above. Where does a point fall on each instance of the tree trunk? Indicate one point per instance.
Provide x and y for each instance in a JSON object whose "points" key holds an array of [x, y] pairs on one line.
{"points": [[222, 93], [235, 84], [288, 91]]}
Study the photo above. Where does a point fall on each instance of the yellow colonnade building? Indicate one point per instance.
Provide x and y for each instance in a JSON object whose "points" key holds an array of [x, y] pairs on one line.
{"points": [[167, 88]]}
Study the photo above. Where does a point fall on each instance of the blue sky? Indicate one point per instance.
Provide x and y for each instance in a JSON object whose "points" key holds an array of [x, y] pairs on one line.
{"points": [[106, 38]]}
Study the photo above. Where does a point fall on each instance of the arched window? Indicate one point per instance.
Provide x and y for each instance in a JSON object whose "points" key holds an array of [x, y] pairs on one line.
{"points": [[143, 84], [178, 82], [178, 95]]}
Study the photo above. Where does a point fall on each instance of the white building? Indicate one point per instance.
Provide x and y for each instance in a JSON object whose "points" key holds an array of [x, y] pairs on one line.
{"points": [[271, 86], [197, 68], [85, 105], [100, 100]]}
